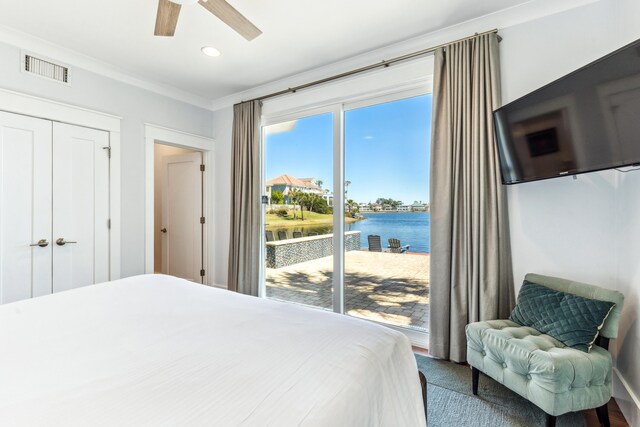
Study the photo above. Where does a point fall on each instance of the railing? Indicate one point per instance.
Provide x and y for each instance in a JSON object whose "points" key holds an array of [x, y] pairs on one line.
{"points": [[282, 253]]}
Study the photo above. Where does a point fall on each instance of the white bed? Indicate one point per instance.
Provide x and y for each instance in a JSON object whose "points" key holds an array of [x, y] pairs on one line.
{"points": [[156, 350]]}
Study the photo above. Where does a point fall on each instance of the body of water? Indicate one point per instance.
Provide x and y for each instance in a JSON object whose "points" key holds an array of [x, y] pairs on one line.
{"points": [[411, 228]]}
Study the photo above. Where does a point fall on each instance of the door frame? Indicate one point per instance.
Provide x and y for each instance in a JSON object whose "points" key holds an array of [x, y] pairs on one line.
{"points": [[338, 197], [42, 108], [158, 134]]}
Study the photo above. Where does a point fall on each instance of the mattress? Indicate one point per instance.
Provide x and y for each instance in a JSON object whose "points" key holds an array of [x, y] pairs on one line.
{"points": [[160, 351]]}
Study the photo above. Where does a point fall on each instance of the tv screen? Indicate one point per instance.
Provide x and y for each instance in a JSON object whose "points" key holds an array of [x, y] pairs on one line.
{"points": [[586, 121]]}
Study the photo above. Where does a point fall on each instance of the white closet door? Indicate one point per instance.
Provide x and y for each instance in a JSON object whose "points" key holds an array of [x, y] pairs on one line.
{"points": [[181, 212], [25, 207], [80, 207]]}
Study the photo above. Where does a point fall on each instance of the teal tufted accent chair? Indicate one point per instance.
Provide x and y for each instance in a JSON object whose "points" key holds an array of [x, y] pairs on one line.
{"points": [[556, 378]]}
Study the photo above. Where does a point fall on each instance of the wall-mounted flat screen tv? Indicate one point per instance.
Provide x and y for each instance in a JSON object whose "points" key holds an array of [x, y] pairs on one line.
{"points": [[586, 121]]}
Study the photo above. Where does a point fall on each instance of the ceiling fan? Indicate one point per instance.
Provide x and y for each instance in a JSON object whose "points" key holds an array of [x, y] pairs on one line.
{"points": [[169, 10]]}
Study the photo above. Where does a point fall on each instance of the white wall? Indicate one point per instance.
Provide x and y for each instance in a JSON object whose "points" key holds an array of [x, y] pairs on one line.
{"points": [[222, 126], [136, 106], [585, 229], [628, 266]]}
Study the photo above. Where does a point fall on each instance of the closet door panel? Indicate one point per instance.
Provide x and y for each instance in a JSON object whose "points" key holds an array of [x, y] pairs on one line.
{"points": [[25, 207], [80, 207]]}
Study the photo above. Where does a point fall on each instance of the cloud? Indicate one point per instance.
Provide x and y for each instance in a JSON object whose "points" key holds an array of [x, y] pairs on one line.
{"points": [[368, 137]]}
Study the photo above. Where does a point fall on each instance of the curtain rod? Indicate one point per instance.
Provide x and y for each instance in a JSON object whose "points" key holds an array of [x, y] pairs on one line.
{"points": [[384, 63]]}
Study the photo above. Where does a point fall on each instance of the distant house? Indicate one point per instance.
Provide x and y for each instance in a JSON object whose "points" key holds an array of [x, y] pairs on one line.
{"points": [[364, 207], [314, 187], [311, 183], [376, 207], [404, 208], [285, 183], [419, 207]]}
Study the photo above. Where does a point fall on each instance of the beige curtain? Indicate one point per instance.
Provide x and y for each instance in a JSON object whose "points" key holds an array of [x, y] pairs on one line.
{"points": [[244, 245], [471, 276]]}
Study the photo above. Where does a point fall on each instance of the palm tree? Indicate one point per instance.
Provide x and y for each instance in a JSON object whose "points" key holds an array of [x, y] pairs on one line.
{"points": [[297, 197], [312, 202], [304, 200], [351, 205]]}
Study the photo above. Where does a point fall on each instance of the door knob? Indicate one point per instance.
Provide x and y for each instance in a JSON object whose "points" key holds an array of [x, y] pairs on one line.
{"points": [[42, 243], [164, 230], [62, 242]]}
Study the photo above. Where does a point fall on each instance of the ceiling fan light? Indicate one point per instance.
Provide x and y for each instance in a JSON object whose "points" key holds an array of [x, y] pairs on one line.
{"points": [[184, 2], [210, 51]]}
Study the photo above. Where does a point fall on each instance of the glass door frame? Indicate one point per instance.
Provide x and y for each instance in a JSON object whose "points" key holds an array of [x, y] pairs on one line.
{"points": [[338, 109], [338, 196]]}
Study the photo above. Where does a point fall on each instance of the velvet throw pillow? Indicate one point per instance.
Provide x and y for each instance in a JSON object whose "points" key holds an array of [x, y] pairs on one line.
{"points": [[571, 319]]}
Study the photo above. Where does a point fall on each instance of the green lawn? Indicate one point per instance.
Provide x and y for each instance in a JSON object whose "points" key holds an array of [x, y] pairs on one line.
{"points": [[310, 218]]}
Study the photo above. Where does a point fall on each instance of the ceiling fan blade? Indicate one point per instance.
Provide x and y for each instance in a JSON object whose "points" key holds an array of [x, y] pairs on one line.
{"points": [[230, 16], [167, 18]]}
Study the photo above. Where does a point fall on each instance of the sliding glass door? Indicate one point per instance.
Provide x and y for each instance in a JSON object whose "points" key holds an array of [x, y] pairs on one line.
{"points": [[360, 172], [298, 219], [386, 260]]}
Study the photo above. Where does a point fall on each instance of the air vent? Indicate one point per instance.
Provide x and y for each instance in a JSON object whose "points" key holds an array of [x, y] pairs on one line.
{"points": [[45, 68]]}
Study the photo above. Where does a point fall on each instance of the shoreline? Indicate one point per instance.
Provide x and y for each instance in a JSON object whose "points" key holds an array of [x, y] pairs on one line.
{"points": [[388, 212], [412, 230], [309, 223]]}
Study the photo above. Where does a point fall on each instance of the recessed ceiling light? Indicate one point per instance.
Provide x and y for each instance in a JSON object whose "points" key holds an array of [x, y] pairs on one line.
{"points": [[210, 51]]}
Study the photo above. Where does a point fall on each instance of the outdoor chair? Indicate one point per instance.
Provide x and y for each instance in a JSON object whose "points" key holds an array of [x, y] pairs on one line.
{"points": [[394, 247], [375, 245], [269, 235], [297, 234], [282, 235], [549, 373]]}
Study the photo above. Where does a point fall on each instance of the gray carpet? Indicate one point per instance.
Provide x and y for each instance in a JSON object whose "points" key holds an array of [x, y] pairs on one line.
{"points": [[450, 401]]}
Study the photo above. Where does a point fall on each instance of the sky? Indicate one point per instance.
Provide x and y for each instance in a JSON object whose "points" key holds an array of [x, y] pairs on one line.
{"points": [[387, 149]]}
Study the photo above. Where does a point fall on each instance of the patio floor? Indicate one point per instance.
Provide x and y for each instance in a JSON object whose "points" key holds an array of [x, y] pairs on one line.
{"points": [[385, 287]]}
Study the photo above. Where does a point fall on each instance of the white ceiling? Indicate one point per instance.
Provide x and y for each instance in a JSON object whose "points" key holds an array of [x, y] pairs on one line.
{"points": [[298, 35]]}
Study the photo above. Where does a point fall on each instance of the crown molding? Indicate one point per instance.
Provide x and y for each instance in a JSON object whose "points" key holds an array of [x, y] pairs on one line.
{"points": [[40, 46], [502, 19]]}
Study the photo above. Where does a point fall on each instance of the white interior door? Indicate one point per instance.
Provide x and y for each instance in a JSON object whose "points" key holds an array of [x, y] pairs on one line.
{"points": [[80, 206], [181, 213], [25, 207]]}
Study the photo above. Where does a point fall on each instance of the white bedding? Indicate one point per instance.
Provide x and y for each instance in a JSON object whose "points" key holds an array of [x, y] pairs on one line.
{"points": [[156, 350]]}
